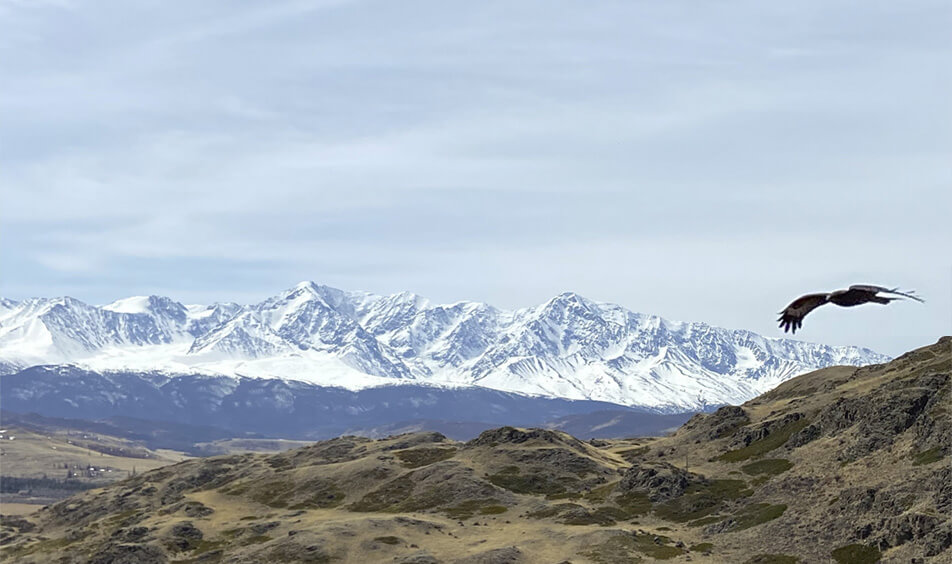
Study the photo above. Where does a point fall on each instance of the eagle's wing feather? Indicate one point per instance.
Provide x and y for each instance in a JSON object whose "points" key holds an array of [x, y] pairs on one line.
{"points": [[911, 294], [791, 318]]}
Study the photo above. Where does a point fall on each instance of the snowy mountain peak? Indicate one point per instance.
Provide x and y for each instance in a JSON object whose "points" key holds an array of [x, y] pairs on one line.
{"points": [[571, 297], [242, 336], [307, 288], [333, 297], [150, 305], [133, 304], [569, 347]]}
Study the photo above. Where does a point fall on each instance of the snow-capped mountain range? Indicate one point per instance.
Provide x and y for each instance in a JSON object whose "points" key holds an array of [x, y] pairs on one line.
{"points": [[569, 347]]}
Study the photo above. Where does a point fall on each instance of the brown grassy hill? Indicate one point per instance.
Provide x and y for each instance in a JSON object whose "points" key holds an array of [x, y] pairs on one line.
{"points": [[843, 464], [43, 464], [841, 457]]}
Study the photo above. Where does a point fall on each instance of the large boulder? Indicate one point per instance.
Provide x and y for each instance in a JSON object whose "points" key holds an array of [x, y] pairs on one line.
{"points": [[660, 481]]}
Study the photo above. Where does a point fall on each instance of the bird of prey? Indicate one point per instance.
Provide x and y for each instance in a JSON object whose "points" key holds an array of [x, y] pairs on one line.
{"points": [[791, 318]]}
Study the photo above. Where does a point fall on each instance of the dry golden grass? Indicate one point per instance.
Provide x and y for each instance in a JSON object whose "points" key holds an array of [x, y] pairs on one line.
{"points": [[13, 508], [556, 498], [58, 454], [33, 454]]}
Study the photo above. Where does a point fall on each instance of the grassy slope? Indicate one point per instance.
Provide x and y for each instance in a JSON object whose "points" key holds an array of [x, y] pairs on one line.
{"points": [[843, 459], [53, 453]]}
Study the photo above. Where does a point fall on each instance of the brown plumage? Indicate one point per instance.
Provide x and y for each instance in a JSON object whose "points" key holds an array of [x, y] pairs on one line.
{"points": [[791, 318]]}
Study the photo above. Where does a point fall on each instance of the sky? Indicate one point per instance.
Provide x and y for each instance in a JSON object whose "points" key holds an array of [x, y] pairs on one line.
{"points": [[702, 161]]}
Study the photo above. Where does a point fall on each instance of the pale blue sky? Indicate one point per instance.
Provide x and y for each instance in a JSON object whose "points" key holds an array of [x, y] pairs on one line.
{"points": [[703, 161]]}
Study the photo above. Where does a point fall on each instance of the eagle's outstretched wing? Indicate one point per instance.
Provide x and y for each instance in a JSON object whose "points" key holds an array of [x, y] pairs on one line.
{"points": [[911, 294], [791, 318]]}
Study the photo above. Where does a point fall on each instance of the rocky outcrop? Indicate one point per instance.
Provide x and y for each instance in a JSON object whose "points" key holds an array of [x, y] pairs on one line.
{"points": [[564, 460], [809, 433], [421, 558], [514, 436], [743, 437], [722, 423], [129, 554], [508, 555], [183, 536], [901, 529], [659, 481]]}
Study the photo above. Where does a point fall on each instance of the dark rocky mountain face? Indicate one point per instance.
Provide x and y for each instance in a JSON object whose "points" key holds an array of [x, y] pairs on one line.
{"points": [[843, 464], [298, 410]]}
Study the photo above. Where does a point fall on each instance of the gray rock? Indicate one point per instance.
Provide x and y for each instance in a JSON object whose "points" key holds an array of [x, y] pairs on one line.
{"points": [[841, 414], [940, 483], [508, 555], [262, 528], [129, 554], [331, 451], [905, 528], [562, 459], [725, 421], [939, 541], [289, 551], [197, 509], [720, 527], [803, 436], [186, 530], [18, 523], [183, 536], [414, 439], [132, 534], [887, 418], [746, 436], [511, 435], [419, 558], [660, 481]]}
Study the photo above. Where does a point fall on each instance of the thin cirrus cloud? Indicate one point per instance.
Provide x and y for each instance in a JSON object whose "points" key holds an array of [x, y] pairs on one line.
{"points": [[699, 161]]}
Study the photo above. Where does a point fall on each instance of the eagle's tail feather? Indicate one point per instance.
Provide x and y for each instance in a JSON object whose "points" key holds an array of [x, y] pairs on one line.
{"points": [[911, 294]]}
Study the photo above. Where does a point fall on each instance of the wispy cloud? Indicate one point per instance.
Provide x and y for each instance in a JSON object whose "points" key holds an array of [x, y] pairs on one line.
{"points": [[487, 150]]}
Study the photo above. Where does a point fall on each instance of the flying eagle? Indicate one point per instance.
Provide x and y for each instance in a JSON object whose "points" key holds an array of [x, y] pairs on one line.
{"points": [[791, 318]]}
